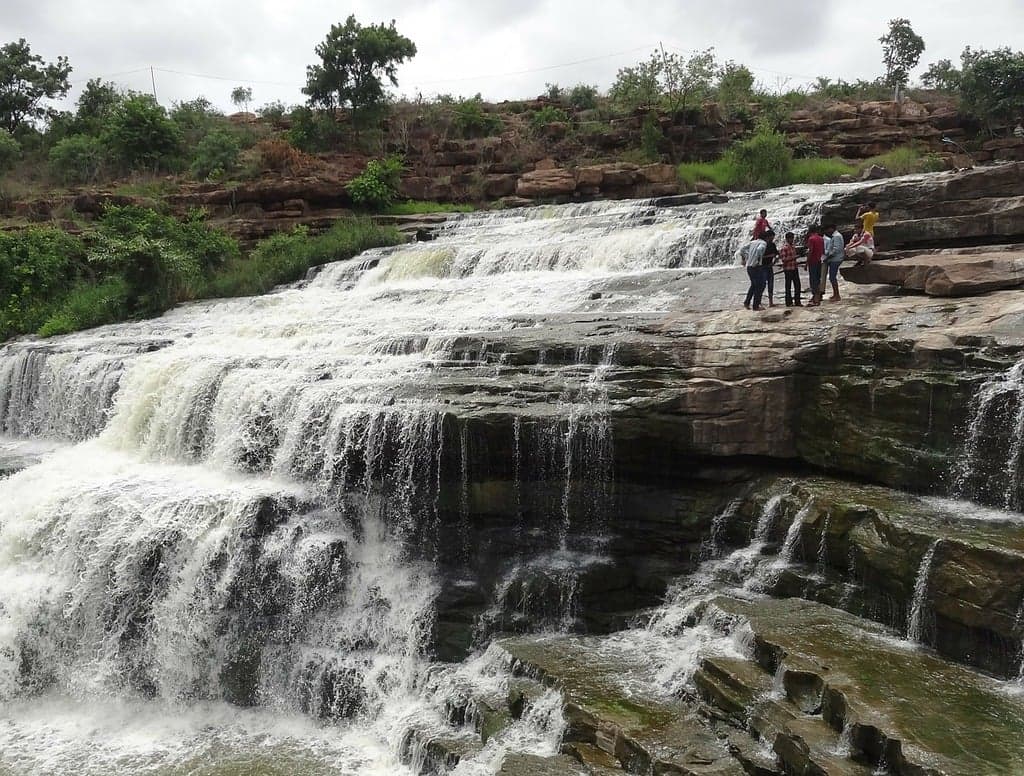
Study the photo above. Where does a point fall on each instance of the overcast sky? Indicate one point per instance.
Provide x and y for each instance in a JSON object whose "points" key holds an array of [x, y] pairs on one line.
{"points": [[505, 49]]}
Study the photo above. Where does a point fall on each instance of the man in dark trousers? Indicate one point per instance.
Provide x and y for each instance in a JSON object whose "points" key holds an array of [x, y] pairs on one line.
{"points": [[815, 253]]}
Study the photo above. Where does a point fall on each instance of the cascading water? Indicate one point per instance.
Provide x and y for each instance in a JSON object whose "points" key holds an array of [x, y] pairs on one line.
{"points": [[917, 618], [990, 467], [253, 505]]}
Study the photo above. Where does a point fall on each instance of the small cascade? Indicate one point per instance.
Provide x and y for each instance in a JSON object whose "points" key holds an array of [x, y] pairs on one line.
{"points": [[916, 620], [713, 546], [990, 466], [821, 564]]}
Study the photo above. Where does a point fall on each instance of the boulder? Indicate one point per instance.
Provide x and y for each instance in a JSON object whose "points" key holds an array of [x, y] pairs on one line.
{"points": [[546, 182], [875, 172], [945, 275]]}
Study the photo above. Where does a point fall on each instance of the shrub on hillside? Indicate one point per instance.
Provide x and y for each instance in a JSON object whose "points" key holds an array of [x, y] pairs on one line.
{"points": [[216, 154], [762, 160], [37, 265], [10, 150], [549, 114], [141, 136], [314, 131], [286, 257], [470, 119], [281, 156], [377, 186], [583, 97], [89, 305], [78, 158], [195, 119]]}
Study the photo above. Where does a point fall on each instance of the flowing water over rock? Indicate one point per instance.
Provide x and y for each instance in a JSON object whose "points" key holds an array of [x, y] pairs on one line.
{"points": [[286, 534]]}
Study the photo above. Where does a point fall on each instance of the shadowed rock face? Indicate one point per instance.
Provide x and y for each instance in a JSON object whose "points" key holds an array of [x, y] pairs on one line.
{"points": [[945, 274]]}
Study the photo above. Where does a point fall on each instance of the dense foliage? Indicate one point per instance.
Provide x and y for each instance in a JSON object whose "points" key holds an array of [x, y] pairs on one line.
{"points": [[138, 263], [901, 51]]}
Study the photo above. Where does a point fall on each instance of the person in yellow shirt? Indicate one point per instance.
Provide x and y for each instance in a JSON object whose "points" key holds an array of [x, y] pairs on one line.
{"points": [[868, 216]]}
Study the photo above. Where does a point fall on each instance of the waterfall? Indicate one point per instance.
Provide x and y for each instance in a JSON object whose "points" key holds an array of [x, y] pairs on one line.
{"points": [[990, 466], [919, 603], [251, 501]]}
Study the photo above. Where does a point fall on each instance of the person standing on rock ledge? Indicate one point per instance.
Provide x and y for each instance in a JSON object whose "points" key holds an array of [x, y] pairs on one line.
{"points": [[835, 253], [789, 270], [815, 252], [751, 256]]}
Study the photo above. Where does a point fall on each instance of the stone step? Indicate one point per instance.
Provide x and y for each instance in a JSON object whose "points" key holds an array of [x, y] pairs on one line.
{"points": [[430, 751], [899, 705], [642, 731], [870, 542], [517, 764]]}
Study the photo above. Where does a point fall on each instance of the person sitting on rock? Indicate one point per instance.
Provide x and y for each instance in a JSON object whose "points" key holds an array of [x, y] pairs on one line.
{"points": [[861, 247], [789, 269], [751, 256], [868, 216], [815, 253], [835, 254], [761, 225]]}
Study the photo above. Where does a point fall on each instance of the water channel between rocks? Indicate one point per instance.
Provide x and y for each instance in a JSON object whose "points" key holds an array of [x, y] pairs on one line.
{"points": [[377, 523]]}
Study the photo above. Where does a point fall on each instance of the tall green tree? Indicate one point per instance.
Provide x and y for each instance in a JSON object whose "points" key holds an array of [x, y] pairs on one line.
{"points": [[241, 96], [141, 136], [354, 61], [901, 51], [25, 81], [992, 85]]}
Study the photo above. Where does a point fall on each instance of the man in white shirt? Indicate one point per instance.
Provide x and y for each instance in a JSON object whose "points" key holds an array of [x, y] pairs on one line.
{"points": [[835, 252], [751, 256]]}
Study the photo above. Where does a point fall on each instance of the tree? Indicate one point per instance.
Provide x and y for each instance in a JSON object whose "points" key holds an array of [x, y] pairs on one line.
{"points": [[140, 135], [735, 84], [901, 51], [687, 81], [992, 85], [354, 60], [638, 86], [942, 76], [95, 106], [241, 96], [25, 80]]}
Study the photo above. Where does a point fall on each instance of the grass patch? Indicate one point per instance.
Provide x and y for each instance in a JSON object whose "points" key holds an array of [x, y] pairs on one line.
{"points": [[414, 207], [721, 172], [814, 170], [285, 258], [87, 306], [906, 160], [149, 188]]}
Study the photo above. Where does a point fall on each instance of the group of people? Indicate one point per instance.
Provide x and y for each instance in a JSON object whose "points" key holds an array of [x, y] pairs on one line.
{"points": [[826, 251]]}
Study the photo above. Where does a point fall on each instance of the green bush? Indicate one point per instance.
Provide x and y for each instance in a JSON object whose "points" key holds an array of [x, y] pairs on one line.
{"points": [[583, 97], [469, 119], [141, 136], [761, 161], [78, 158], [549, 114], [651, 137], [37, 266], [89, 305], [284, 258], [216, 153], [10, 150], [211, 248], [195, 119], [313, 131], [377, 186]]}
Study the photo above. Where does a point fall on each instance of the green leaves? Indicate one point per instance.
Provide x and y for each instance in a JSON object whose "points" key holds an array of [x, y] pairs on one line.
{"points": [[901, 51], [354, 60], [377, 186], [25, 80]]}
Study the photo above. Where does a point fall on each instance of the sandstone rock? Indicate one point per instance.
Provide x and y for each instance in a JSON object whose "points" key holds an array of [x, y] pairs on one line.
{"points": [[590, 176], [658, 173], [497, 186], [875, 172], [546, 164], [944, 275], [546, 182]]}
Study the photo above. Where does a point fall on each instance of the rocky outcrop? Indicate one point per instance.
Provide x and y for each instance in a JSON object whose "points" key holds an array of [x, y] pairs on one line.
{"points": [[946, 274], [981, 206]]}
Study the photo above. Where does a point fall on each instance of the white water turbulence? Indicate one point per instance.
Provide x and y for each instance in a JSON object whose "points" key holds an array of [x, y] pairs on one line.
{"points": [[917, 619], [224, 543], [990, 467]]}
